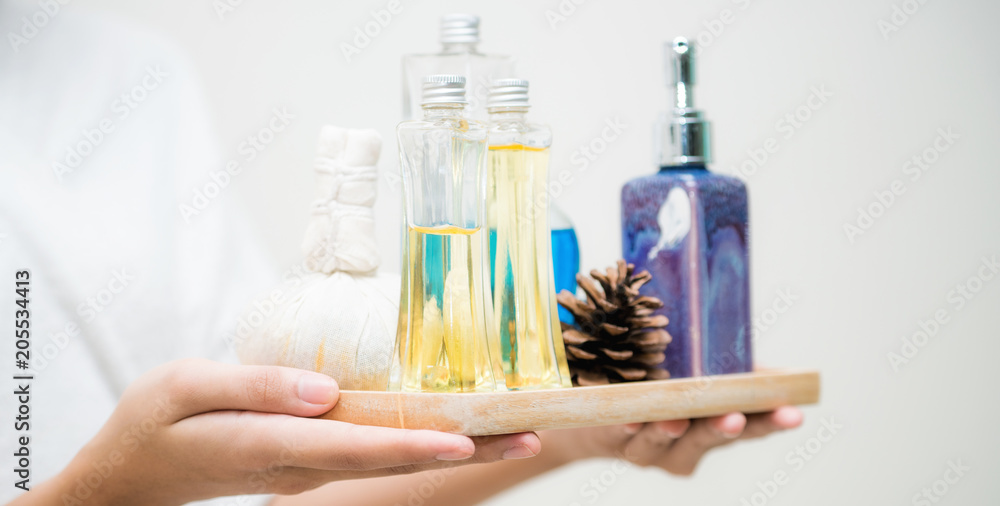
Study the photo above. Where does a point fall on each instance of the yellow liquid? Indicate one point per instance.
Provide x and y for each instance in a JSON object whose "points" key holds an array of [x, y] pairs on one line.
{"points": [[524, 306], [443, 339]]}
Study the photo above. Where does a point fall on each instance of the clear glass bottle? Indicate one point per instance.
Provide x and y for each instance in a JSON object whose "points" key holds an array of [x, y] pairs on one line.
{"points": [[689, 228], [444, 341], [526, 320], [460, 56]]}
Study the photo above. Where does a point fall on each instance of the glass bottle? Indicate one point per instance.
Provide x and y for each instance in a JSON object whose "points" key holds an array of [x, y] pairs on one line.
{"points": [[565, 256], [689, 228], [526, 320], [444, 339], [460, 56]]}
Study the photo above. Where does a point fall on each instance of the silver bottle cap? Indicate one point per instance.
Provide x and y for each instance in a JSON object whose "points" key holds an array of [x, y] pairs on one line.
{"points": [[459, 29], [686, 135], [444, 89], [508, 93]]}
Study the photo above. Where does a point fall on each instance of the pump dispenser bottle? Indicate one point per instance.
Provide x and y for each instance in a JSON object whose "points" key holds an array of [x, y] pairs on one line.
{"points": [[689, 228], [459, 56]]}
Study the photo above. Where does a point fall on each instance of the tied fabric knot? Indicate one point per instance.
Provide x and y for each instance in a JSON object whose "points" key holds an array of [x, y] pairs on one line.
{"points": [[341, 233], [340, 318], [333, 174]]}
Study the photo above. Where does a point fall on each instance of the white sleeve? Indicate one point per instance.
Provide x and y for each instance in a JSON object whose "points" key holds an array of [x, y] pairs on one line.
{"points": [[109, 249]]}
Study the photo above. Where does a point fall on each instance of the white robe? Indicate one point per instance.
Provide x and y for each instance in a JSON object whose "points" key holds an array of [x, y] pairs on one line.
{"points": [[106, 243]]}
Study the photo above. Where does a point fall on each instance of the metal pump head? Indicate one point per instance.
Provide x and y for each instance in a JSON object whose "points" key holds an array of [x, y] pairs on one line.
{"points": [[686, 135]]}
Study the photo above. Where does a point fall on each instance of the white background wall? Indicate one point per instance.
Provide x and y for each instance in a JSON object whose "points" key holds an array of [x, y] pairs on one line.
{"points": [[854, 301]]}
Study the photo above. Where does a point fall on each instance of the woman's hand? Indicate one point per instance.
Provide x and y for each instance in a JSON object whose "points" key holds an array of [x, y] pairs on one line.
{"points": [[675, 446], [195, 429]]}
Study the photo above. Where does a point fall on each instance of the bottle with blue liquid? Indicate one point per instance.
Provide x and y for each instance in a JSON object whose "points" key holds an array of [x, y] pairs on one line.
{"points": [[689, 228], [565, 256]]}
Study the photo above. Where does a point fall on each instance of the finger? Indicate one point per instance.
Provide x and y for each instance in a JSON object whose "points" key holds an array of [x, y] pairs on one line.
{"points": [[333, 445], [615, 437], [704, 434], [506, 447], [631, 429], [762, 424], [675, 428], [198, 386], [649, 445], [488, 449]]}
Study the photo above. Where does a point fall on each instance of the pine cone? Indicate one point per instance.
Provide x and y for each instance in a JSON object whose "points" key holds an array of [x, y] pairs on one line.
{"points": [[616, 338]]}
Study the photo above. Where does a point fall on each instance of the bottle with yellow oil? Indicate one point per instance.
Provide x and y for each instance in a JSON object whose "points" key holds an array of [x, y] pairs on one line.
{"points": [[525, 321], [444, 342]]}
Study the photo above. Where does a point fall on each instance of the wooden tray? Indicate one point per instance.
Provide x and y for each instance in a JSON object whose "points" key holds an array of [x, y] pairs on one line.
{"points": [[479, 414]]}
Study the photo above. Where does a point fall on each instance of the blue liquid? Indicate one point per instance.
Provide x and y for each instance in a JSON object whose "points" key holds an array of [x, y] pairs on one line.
{"points": [[505, 340], [565, 265]]}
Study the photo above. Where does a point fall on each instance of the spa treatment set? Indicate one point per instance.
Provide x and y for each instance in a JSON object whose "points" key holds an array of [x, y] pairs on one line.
{"points": [[475, 308]]}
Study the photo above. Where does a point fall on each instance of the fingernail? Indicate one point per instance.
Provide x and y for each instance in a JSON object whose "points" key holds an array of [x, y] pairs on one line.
{"points": [[518, 452], [788, 417], [669, 430], [728, 433], [673, 434], [317, 389], [454, 455], [632, 428], [734, 425]]}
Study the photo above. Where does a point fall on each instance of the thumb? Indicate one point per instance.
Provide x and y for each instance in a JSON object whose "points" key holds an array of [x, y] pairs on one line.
{"points": [[199, 386]]}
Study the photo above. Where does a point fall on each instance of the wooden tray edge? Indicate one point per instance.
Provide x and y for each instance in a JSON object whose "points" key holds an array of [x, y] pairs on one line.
{"points": [[477, 414]]}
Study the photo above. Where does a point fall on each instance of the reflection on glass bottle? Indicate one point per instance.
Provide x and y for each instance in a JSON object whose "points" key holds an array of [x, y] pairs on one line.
{"points": [[524, 303], [565, 256], [444, 339], [459, 56]]}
